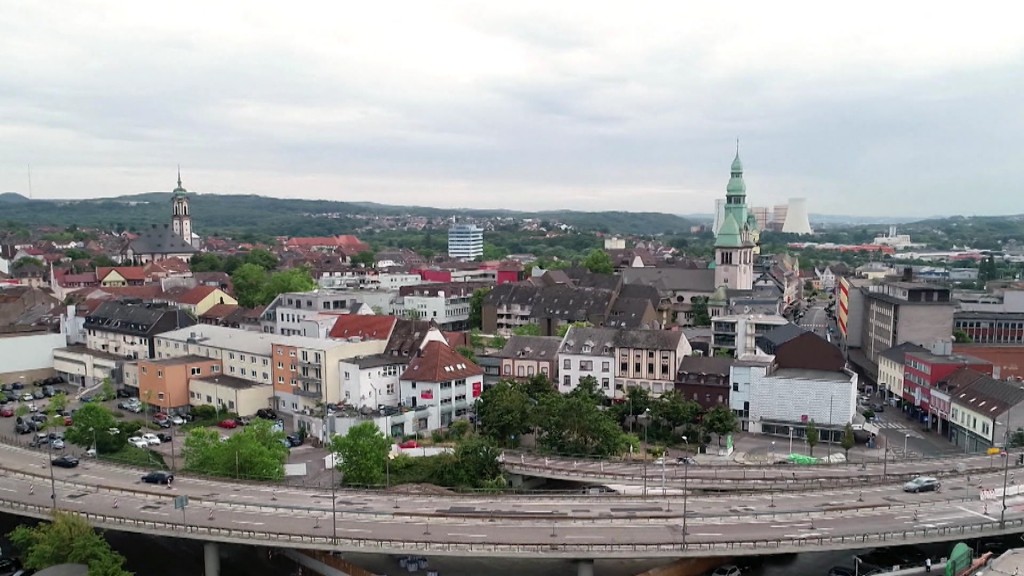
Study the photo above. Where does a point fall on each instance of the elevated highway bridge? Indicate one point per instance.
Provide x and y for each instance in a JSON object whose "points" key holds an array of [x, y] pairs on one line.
{"points": [[580, 526]]}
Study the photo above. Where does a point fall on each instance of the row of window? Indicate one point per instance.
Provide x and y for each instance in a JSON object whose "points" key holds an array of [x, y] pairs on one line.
{"points": [[210, 400], [524, 371], [586, 365]]}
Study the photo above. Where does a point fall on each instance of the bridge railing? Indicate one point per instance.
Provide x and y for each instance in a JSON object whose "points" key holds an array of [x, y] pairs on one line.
{"points": [[545, 546]]}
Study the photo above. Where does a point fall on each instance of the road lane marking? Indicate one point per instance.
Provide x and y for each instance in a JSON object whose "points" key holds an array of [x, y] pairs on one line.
{"points": [[353, 530], [985, 516], [706, 534], [248, 522], [467, 535]]}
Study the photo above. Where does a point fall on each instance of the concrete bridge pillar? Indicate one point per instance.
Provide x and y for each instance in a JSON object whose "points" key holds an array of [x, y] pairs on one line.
{"points": [[584, 568], [211, 559]]}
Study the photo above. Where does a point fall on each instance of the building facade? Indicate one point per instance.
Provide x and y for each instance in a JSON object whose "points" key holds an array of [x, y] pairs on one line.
{"points": [[587, 352], [891, 365], [738, 333], [898, 312], [705, 380], [127, 329], [465, 242]]}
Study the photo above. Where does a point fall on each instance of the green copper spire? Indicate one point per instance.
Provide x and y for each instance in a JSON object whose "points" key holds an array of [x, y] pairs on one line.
{"points": [[180, 190], [736, 186]]}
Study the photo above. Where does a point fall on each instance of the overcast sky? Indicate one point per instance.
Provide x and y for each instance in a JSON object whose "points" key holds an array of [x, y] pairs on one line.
{"points": [[887, 108]]}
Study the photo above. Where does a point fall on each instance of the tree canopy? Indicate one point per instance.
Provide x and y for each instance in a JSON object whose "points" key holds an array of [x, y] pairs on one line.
{"points": [[598, 262], [505, 412], [255, 452], [94, 422], [68, 538], [362, 454], [254, 286]]}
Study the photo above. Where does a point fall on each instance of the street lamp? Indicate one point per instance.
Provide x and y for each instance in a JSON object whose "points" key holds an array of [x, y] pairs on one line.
{"points": [[334, 497], [772, 453], [790, 439], [686, 478], [53, 482], [906, 438], [645, 416]]}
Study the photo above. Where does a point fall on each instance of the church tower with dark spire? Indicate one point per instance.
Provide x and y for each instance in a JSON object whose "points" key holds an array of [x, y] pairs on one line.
{"points": [[737, 237], [181, 219]]}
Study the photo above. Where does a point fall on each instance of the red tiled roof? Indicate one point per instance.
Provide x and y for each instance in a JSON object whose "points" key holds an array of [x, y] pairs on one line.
{"points": [[220, 311], [438, 362], [365, 326], [128, 272], [173, 265], [195, 295], [456, 339]]}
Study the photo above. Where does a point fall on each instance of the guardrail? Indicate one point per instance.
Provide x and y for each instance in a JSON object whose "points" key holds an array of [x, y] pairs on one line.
{"points": [[551, 546]]}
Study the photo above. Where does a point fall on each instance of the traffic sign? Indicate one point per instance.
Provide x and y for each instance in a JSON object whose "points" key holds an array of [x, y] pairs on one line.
{"points": [[180, 502]]}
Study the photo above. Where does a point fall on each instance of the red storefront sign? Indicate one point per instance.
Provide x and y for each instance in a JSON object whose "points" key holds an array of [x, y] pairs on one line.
{"points": [[427, 395], [477, 388]]}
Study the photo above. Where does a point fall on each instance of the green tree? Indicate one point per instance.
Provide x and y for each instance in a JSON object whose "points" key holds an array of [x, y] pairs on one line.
{"points": [[255, 452], [478, 460], [206, 262], [107, 389], [476, 308], [574, 425], [505, 412], [103, 260], [363, 454], [95, 422], [812, 436], [458, 429], [849, 440], [721, 421], [68, 538], [262, 258], [467, 352], [77, 254], [598, 262], [589, 389], [291, 280], [24, 262], [961, 337], [676, 411], [365, 259], [699, 307], [249, 281], [564, 328], [988, 270], [59, 402], [527, 330]]}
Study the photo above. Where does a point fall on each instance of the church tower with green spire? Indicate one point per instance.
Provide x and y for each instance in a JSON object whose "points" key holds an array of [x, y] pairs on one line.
{"points": [[737, 237], [181, 219]]}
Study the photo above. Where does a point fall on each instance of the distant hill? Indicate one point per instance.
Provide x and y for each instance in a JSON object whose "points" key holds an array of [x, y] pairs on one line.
{"points": [[236, 214], [12, 198]]}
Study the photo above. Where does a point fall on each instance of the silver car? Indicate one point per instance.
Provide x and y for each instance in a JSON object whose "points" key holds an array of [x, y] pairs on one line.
{"points": [[922, 484]]}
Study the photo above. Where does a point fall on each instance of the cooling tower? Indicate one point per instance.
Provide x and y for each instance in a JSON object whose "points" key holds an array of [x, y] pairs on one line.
{"points": [[797, 221]]}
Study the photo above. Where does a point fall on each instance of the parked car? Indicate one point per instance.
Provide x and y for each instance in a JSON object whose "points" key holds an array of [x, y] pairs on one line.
{"points": [[729, 570], [409, 444], [151, 439], [162, 423], [38, 394], [85, 399], [65, 461], [177, 420], [32, 407], [922, 484], [57, 443], [278, 426], [878, 407], [163, 437], [8, 564], [686, 460], [266, 414], [27, 397], [243, 421], [294, 440], [228, 423], [122, 393], [17, 386], [130, 405], [158, 477], [138, 442], [40, 440], [6, 412], [49, 392], [24, 428]]}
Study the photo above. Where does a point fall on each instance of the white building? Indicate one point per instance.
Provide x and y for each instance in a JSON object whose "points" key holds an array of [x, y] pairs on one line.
{"points": [[787, 398], [440, 382], [446, 304], [465, 241], [737, 333], [287, 315], [369, 281], [25, 352], [587, 352], [742, 374], [371, 381]]}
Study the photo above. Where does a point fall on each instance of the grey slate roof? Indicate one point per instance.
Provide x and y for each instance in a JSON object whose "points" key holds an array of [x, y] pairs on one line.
{"points": [[898, 353], [137, 319], [531, 347], [160, 239], [640, 291], [706, 365], [672, 279], [597, 338], [571, 304], [600, 338], [522, 294], [629, 313], [781, 334], [984, 394]]}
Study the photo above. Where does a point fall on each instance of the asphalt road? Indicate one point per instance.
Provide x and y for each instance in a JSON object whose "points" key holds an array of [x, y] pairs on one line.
{"points": [[737, 476], [509, 521]]}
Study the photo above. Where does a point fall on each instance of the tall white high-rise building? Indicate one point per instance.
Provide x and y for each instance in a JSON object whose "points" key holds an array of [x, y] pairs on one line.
{"points": [[465, 241]]}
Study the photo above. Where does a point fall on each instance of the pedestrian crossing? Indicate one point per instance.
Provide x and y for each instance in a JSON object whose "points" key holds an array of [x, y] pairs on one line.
{"points": [[901, 427]]}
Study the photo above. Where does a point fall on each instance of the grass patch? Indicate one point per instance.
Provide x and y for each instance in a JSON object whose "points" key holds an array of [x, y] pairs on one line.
{"points": [[133, 456]]}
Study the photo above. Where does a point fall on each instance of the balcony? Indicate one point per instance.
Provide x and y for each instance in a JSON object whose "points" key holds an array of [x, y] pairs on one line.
{"points": [[307, 393]]}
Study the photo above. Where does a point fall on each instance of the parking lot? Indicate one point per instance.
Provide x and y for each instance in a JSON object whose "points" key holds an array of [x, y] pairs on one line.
{"points": [[171, 451]]}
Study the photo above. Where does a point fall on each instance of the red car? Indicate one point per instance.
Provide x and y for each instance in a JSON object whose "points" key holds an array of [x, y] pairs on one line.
{"points": [[7, 412], [229, 424], [68, 421], [409, 444]]}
